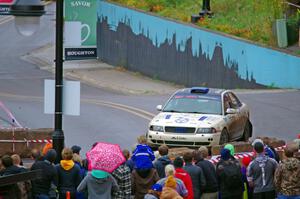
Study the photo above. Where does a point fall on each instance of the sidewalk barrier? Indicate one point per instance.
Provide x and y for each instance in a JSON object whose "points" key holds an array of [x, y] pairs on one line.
{"points": [[22, 141], [215, 159]]}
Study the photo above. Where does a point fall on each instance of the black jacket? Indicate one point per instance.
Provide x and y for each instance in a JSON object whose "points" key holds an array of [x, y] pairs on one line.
{"points": [[160, 165], [210, 176], [198, 178], [43, 185], [229, 189]]}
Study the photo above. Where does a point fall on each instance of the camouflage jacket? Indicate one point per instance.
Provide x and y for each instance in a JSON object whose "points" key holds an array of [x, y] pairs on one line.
{"points": [[287, 177]]}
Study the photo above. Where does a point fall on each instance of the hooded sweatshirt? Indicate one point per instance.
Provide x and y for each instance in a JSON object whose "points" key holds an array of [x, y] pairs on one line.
{"points": [[160, 165], [98, 187], [140, 186], [68, 176], [287, 177], [262, 170]]}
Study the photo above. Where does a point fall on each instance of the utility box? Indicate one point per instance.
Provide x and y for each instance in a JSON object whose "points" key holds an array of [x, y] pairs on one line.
{"points": [[280, 31]]}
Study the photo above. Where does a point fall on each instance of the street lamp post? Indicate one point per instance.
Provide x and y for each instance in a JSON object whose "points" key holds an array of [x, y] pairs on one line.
{"points": [[27, 13], [58, 134]]}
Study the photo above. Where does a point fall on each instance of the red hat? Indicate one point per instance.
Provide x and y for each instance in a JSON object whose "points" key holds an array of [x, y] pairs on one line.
{"points": [[246, 161]]}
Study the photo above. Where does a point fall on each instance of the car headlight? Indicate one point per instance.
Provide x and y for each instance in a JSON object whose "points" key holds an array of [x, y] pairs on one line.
{"points": [[157, 128], [206, 130]]}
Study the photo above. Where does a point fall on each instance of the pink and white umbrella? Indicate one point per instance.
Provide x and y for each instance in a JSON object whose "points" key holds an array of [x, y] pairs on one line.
{"points": [[105, 156]]}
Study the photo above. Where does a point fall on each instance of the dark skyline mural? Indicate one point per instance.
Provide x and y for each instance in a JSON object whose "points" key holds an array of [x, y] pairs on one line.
{"points": [[121, 47]]}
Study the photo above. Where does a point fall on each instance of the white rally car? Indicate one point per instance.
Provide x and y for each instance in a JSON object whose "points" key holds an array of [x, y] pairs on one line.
{"points": [[200, 116]]}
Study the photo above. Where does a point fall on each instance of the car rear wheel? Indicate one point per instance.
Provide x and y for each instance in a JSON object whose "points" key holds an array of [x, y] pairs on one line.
{"points": [[224, 138], [247, 131]]}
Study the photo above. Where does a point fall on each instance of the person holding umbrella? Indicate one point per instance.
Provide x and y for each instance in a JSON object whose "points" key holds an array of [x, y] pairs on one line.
{"points": [[104, 158]]}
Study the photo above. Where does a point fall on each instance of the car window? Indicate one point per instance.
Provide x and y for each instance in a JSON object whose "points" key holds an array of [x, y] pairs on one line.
{"points": [[194, 104], [227, 102], [235, 101]]}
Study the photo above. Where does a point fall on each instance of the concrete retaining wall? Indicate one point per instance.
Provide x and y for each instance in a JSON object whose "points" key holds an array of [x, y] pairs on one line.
{"points": [[186, 54]]}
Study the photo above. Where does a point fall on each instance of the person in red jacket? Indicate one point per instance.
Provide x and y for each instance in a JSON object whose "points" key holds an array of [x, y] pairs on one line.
{"points": [[184, 176]]}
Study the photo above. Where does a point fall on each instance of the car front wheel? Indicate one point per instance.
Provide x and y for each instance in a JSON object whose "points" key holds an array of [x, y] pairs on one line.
{"points": [[224, 138]]}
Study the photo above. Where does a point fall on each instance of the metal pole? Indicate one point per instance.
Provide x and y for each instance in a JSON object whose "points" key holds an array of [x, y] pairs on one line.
{"points": [[58, 134]]}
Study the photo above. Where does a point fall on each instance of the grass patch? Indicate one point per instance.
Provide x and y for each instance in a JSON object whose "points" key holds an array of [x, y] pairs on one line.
{"points": [[249, 19]]}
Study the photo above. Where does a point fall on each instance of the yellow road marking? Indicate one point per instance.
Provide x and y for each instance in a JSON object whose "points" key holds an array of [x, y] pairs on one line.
{"points": [[6, 19], [133, 110]]}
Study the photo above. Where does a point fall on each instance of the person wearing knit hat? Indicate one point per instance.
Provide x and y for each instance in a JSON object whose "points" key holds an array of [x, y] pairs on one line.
{"points": [[169, 190], [76, 149], [171, 181], [154, 192], [225, 154], [229, 176], [99, 184], [230, 147], [46, 148]]}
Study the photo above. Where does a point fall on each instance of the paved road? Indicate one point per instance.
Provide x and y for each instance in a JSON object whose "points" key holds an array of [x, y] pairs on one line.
{"points": [[21, 89]]}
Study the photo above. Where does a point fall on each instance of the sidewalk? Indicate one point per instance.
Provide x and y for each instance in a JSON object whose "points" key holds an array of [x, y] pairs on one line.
{"points": [[101, 75]]}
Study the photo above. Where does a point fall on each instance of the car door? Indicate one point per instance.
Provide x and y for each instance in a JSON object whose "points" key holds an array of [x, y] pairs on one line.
{"points": [[231, 119], [240, 115]]}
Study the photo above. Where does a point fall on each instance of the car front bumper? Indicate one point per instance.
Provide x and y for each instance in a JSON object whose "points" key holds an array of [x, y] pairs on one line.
{"points": [[182, 139]]}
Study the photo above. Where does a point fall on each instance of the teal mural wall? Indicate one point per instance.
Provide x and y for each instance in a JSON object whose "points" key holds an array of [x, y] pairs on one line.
{"points": [[249, 62]]}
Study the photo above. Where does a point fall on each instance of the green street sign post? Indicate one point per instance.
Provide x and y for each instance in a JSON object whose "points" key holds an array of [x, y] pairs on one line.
{"points": [[80, 23]]}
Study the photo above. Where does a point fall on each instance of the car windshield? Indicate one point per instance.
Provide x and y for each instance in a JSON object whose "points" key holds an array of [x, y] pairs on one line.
{"points": [[194, 104]]}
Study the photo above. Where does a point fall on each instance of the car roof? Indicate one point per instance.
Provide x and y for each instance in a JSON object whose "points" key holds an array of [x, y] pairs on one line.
{"points": [[208, 92]]}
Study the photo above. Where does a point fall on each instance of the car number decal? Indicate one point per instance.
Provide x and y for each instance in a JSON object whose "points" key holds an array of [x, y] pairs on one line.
{"points": [[181, 120]]}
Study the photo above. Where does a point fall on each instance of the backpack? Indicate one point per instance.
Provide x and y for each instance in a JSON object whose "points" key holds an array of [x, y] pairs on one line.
{"points": [[233, 176]]}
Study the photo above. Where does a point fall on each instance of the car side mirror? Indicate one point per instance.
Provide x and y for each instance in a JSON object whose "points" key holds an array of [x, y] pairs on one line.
{"points": [[159, 107], [231, 111]]}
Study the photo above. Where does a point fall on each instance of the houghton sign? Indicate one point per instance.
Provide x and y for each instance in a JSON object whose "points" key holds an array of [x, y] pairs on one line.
{"points": [[80, 29]]}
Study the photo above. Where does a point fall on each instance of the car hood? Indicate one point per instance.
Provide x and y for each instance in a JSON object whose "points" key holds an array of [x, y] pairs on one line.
{"points": [[186, 119]]}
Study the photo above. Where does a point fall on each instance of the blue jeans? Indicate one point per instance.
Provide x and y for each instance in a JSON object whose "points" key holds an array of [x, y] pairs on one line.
{"points": [[41, 196], [287, 197]]}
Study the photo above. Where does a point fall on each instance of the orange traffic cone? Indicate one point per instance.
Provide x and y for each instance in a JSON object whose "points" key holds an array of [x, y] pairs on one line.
{"points": [[68, 195]]}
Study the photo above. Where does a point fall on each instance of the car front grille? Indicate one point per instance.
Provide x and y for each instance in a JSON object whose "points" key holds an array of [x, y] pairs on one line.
{"points": [[179, 143], [173, 129]]}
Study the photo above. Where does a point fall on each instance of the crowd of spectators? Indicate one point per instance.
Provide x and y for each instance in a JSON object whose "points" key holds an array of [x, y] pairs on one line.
{"points": [[149, 175]]}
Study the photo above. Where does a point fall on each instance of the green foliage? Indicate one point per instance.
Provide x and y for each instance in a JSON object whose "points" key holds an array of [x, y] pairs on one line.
{"points": [[249, 19]]}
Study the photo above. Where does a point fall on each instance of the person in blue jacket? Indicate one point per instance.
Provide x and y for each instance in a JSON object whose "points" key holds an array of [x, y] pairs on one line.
{"points": [[143, 156]]}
